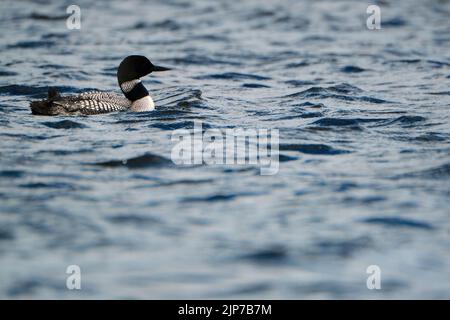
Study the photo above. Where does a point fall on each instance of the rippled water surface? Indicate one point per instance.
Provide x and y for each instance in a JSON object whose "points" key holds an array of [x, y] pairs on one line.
{"points": [[364, 175]]}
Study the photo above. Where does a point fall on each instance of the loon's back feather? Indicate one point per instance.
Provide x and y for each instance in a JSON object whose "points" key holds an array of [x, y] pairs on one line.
{"points": [[93, 102]]}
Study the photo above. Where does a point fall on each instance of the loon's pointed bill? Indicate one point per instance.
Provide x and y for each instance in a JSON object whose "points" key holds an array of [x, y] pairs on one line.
{"points": [[129, 74], [159, 68]]}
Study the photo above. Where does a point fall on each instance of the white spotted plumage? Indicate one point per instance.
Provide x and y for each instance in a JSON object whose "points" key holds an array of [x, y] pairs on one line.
{"points": [[129, 85], [94, 102]]}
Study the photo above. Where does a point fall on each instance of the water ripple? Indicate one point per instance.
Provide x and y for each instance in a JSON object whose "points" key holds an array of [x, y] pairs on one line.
{"points": [[144, 161]]}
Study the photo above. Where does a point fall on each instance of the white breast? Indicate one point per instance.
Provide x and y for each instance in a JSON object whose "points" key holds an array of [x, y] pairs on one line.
{"points": [[143, 104]]}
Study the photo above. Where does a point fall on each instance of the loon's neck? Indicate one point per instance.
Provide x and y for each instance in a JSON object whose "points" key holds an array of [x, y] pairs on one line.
{"points": [[135, 91], [143, 104]]}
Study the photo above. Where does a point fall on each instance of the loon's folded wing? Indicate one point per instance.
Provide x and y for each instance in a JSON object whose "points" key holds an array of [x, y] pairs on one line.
{"points": [[94, 102]]}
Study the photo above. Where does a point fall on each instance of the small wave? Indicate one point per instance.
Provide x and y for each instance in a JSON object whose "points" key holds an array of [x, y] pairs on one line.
{"points": [[352, 69], [195, 59], [327, 122], [53, 185], [167, 24], [394, 22], [314, 38], [30, 286], [273, 254], [184, 182], [241, 169], [342, 248], [364, 200], [345, 88], [408, 61], [344, 92], [293, 65], [5, 73], [64, 124], [168, 113], [427, 137], [134, 219], [146, 160], [439, 64], [32, 44], [182, 98], [11, 173], [308, 93], [21, 90], [404, 120], [30, 137], [6, 234], [250, 288], [319, 149], [232, 76], [213, 198], [63, 152], [430, 137], [44, 16], [52, 35], [306, 115], [299, 83], [53, 66], [254, 85], [212, 37], [440, 93], [399, 222], [179, 125], [220, 197], [311, 115], [311, 105], [286, 158], [440, 172], [350, 122], [261, 13]]}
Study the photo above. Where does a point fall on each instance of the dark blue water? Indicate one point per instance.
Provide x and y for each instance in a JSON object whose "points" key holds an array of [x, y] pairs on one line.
{"points": [[364, 179]]}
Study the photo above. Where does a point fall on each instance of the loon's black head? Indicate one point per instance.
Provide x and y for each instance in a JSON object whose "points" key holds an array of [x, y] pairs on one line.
{"points": [[130, 70]]}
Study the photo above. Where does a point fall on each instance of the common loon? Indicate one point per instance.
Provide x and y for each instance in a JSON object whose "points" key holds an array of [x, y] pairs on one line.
{"points": [[129, 75]]}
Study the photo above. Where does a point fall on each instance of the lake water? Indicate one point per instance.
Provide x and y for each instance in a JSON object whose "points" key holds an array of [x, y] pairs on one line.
{"points": [[364, 174]]}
